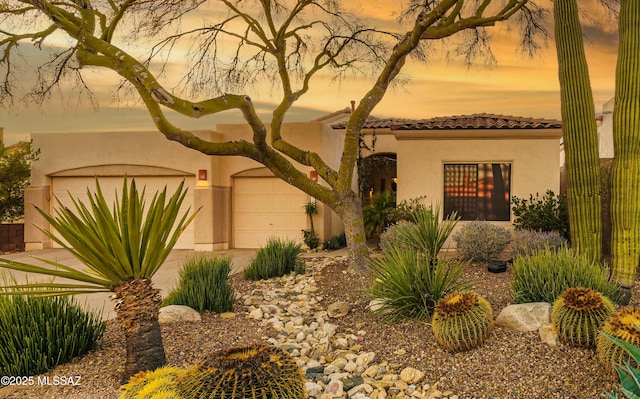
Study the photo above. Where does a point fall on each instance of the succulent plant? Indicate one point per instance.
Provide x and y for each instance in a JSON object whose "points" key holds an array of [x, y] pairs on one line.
{"points": [[156, 384], [622, 325], [253, 372], [578, 314], [462, 321]]}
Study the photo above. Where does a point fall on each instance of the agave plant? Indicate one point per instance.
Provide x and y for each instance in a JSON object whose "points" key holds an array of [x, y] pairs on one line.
{"points": [[123, 248], [629, 375]]}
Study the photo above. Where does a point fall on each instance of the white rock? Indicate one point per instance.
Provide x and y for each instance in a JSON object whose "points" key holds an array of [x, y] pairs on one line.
{"points": [[524, 317], [173, 313], [338, 309], [365, 358], [312, 388]]}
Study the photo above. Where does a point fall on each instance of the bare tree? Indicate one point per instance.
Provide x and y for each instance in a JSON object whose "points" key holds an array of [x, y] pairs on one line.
{"points": [[286, 42]]}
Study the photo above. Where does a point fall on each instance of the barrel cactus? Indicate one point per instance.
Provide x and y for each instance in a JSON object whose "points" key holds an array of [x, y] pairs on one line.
{"points": [[622, 325], [156, 384], [253, 372], [462, 321], [578, 314]]}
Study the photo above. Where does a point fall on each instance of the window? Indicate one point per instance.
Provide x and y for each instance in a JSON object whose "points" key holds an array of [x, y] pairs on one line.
{"points": [[478, 191]]}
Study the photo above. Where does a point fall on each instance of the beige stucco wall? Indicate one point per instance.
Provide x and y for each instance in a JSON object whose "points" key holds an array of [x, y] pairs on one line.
{"points": [[150, 154], [534, 163]]}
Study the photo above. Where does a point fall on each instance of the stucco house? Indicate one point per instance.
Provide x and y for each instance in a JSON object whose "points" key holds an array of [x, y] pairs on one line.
{"points": [[472, 164]]}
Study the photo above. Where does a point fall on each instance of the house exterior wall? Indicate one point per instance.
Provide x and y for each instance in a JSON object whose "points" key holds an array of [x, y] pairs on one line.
{"points": [[534, 162], [151, 154]]}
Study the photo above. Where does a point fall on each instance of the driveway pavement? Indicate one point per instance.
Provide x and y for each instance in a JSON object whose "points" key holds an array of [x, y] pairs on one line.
{"points": [[165, 279]]}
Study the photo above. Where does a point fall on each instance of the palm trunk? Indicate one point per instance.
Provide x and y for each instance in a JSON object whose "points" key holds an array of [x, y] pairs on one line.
{"points": [[350, 211], [137, 306], [625, 173], [579, 132]]}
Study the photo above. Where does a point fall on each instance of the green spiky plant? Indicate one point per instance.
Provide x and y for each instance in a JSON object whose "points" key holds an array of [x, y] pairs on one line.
{"points": [[257, 371], [578, 314], [462, 321], [621, 325], [629, 376], [157, 384], [123, 248]]}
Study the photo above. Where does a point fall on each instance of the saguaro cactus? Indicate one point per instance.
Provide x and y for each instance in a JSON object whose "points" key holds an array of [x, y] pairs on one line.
{"points": [[625, 174], [579, 132]]}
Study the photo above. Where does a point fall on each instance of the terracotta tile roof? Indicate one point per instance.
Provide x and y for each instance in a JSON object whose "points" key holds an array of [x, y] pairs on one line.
{"points": [[475, 121]]}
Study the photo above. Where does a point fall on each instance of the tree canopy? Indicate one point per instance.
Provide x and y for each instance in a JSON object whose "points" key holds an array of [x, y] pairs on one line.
{"points": [[15, 174]]}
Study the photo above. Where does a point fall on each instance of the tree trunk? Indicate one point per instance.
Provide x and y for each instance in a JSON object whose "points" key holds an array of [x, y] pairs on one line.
{"points": [[579, 132], [625, 173], [137, 306], [349, 208]]}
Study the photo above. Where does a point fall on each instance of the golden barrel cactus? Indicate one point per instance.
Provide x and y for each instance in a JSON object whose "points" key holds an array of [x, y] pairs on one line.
{"points": [[156, 384], [462, 321], [622, 324], [253, 372], [578, 314]]}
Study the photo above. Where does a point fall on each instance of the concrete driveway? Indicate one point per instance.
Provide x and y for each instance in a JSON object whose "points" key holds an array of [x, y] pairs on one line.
{"points": [[165, 279]]}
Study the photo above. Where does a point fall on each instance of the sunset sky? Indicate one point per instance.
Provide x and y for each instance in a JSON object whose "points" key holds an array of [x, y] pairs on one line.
{"points": [[515, 86]]}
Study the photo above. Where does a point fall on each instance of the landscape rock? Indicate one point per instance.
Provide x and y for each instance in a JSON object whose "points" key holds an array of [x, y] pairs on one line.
{"points": [[338, 309], [174, 313], [411, 375], [524, 317], [548, 335]]}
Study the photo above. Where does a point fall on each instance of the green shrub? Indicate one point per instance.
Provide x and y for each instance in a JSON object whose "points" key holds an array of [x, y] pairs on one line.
{"points": [[481, 241], [38, 333], [277, 258], [545, 274], [310, 239], [408, 285], [337, 242], [393, 235], [376, 214], [525, 242], [204, 285], [549, 213], [406, 210]]}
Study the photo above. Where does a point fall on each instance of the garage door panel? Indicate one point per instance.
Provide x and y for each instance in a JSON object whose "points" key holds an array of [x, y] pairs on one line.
{"points": [[77, 187], [266, 208]]}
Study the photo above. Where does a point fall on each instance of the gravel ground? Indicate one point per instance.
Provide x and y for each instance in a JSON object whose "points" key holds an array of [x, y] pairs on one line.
{"points": [[508, 365]]}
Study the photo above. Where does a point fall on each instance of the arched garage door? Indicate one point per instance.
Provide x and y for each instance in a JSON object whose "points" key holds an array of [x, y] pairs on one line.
{"points": [[266, 207], [77, 187]]}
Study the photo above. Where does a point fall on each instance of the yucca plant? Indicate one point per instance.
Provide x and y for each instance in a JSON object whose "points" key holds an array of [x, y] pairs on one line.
{"points": [[409, 285], [123, 248], [427, 234]]}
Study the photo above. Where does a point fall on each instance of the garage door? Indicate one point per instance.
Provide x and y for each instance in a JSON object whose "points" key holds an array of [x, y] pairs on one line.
{"points": [[77, 187], [265, 207]]}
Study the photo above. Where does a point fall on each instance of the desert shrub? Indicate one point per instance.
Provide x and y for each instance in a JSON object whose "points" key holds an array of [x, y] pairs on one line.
{"points": [[38, 333], [376, 214], [204, 285], [310, 239], [393, 235], [406, 210], [480, 241], [337, 242], [545, 274], [426, 233], [549, 213], [525, 242], [408, 285], [277, 258]]}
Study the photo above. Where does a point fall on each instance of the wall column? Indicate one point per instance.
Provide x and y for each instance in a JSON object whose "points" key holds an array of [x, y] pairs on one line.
{"points": [[39, 196]]}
